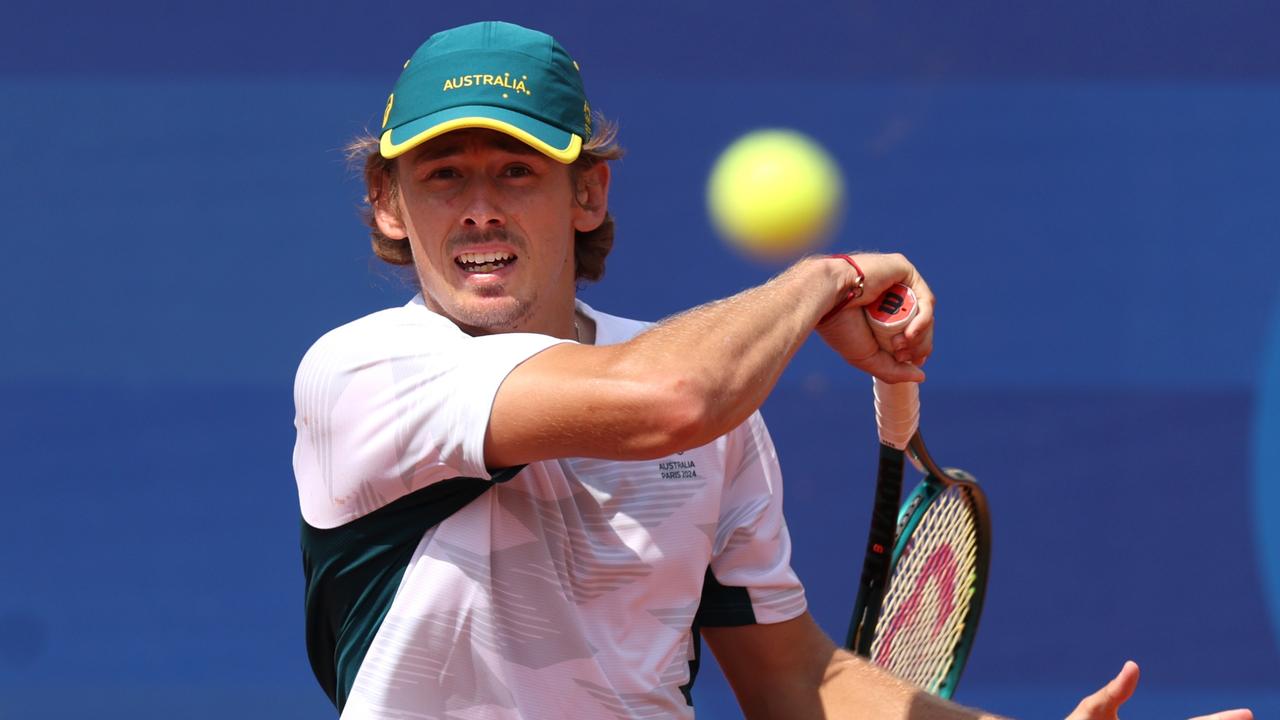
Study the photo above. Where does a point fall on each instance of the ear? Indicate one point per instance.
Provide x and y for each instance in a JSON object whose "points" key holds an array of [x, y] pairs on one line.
{"points": [[591, 193], [386, 208]]}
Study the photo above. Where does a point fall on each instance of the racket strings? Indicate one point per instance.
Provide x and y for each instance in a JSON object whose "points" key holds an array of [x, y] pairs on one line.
{"points": [[926, 604]]}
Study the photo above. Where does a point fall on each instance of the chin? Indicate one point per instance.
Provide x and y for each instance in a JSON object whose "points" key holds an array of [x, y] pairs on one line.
{"points": [[491, 314]]}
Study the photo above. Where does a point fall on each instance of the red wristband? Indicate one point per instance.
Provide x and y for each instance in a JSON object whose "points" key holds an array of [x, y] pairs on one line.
{"points": [[854, 293]]}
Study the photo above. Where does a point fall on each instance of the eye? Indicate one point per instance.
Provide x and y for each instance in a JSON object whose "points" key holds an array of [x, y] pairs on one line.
{"points": [[517, 170], [443, 173]]}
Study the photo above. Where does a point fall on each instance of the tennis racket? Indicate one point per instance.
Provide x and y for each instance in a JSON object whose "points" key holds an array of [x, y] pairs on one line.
{"points": [[924, 574]]}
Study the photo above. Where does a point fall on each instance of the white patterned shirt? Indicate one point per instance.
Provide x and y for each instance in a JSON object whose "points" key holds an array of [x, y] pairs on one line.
{"points": [[437, 588]]}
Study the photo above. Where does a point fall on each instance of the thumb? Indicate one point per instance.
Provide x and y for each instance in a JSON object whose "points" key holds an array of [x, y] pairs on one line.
{"points": [[1121, 687], [883, 366], [1105, 704]]}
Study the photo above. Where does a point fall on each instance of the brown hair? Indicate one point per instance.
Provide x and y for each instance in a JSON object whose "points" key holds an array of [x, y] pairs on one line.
{"points": [[589, 250]]}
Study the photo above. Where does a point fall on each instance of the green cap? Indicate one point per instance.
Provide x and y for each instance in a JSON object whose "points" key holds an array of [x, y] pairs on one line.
{"points": [[492, 75]]}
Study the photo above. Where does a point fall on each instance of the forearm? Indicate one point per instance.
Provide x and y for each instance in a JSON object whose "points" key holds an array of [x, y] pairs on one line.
{"points": [[730, 353], [793, 671], [694, 376], [854, 688]]}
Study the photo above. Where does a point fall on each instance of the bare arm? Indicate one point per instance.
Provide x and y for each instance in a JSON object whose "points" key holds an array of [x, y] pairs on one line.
{"points": [[695, 376], [793, 670]]}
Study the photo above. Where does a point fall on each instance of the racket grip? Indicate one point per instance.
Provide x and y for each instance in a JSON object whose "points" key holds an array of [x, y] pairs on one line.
{"points": [[897, 404], [897, 412]]}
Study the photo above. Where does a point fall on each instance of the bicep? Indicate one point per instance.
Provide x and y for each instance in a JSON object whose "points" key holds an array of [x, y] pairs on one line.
{"points": [[585, 401]]}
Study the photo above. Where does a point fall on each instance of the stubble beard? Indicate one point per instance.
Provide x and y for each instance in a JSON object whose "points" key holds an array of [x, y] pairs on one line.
{"points": [[503, 313], [496, 316]]}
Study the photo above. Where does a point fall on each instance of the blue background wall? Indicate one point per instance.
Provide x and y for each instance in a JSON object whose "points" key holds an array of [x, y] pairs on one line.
{"points": [[1092, 191]]}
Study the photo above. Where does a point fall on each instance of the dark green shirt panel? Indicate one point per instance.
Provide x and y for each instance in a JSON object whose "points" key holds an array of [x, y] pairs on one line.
{"points": [[723, 605], [720, 606], [352, 573]]}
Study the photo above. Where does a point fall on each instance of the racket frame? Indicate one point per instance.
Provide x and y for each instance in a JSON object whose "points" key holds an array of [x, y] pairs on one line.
{"points": [[878, 570], [937, 479]]}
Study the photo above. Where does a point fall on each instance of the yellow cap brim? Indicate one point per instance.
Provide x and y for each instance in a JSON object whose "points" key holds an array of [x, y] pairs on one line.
{"points": [[551, 141]]}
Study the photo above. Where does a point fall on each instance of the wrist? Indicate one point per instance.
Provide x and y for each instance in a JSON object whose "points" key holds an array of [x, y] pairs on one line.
{"points": [[850, 282]]}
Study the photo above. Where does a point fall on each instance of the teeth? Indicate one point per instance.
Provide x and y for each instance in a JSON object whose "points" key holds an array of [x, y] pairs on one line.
{"points": [[470, 258], [486, 262]]}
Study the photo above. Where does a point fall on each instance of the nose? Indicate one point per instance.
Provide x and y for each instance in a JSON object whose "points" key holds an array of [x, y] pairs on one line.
{"points": [[481, 209]]}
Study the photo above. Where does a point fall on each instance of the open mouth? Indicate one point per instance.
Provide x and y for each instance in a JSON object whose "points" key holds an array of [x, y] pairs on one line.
{"points": [[477, 263]]}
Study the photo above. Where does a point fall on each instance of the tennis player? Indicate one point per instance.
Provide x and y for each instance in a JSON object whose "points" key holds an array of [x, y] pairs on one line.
{"points": [[518, 506]]}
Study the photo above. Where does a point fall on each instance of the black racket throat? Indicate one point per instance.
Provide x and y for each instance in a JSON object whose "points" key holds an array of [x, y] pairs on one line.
{"points": [[875, 566]]}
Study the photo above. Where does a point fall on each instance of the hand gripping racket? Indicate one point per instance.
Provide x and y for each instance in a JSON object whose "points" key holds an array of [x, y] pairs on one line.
{"points": [[924, 575]]}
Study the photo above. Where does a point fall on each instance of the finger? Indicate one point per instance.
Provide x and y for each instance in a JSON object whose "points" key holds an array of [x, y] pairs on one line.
{"points": [[923, 348], [1238, 714], [919, 337], [902, 352], [926, 302], [1122, 685], [1105, 703]]}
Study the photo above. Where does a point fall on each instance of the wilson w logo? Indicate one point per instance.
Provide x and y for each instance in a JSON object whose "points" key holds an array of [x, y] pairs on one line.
{"points": [[890, 303]]}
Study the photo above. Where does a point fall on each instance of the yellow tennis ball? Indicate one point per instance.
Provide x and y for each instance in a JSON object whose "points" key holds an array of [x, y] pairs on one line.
{"points": [[775, 193]]}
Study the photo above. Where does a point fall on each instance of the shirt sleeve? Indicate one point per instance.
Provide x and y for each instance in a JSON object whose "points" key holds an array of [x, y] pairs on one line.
{"points": [[751, 580], [392, 403]]}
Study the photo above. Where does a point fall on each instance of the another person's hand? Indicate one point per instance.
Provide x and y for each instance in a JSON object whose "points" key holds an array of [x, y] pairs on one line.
{"points": [[1105, 704], [849, 334]]}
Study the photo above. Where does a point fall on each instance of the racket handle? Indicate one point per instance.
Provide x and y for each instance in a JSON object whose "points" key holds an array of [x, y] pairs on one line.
{"points": [[897, 404]]}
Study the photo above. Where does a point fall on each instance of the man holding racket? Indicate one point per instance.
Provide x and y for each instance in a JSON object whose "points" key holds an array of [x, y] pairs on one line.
{"points": [[517, 506]]}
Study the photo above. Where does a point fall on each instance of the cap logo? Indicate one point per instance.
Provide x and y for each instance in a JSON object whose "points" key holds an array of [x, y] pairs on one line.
{"points": [[504, 81]]}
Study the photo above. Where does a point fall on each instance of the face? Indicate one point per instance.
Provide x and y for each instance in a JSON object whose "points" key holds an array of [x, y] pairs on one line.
{"points": [[491, 223]]}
